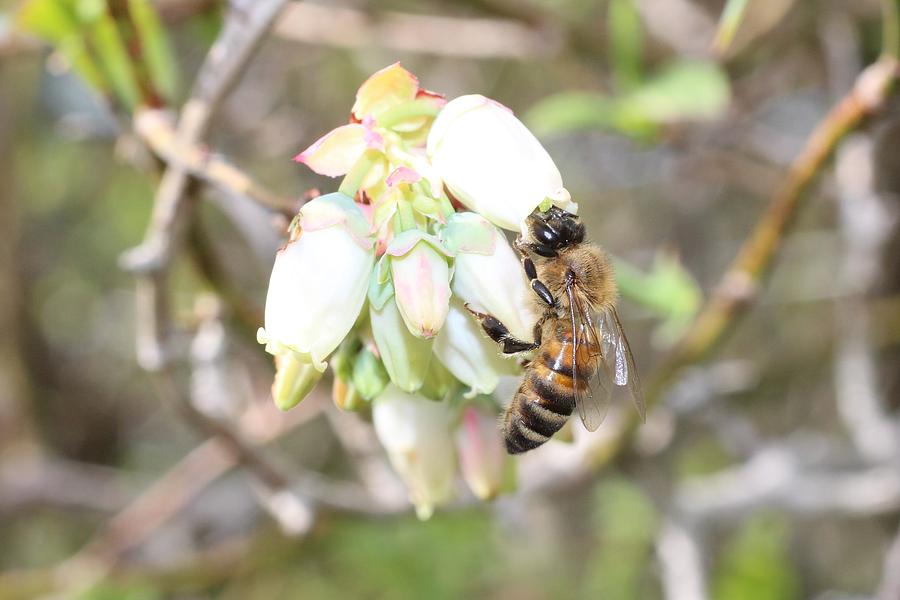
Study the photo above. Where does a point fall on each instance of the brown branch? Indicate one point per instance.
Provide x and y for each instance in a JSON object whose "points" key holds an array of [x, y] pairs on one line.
{"points": [[155, 128], [178, 486], [39, 482], [740, 285]]}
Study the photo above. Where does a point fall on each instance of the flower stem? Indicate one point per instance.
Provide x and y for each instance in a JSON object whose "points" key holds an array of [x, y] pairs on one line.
{"points": [[354, 178], [408, 110]]}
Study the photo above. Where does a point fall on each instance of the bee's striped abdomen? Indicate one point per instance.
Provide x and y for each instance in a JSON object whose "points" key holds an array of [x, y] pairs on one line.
{"points": [[546, 398]]}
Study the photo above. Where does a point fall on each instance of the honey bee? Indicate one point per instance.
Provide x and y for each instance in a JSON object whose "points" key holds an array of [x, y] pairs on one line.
{"points": [[581, 356]]}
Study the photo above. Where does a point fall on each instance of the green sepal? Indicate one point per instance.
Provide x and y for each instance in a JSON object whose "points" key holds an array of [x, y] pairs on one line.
{"points": [[407, 240], [381, 288], [469, 233], [369, 375]]}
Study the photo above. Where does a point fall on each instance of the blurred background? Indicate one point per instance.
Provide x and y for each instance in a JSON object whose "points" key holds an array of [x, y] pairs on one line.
{"points": [[770, 466]]}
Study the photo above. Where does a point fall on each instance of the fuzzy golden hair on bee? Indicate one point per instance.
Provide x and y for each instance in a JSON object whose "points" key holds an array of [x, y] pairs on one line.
{"points": [[589, 264]]}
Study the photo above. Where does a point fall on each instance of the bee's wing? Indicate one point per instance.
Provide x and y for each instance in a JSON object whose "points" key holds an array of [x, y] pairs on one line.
{"points": [[617, 359], [592, 401]]}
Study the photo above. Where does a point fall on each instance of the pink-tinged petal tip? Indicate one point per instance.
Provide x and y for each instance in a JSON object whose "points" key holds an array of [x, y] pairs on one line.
{"points": [[402, 175], [335, 153]]}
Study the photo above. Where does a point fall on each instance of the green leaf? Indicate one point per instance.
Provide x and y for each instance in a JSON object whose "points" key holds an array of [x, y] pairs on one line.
{"points": [[105, 38], [50, 20], [731, 18], [572, 111], [155, 48], [668, 290], [685, 90], [682, 91], [626, 43], [56, 22], [756, 565]]}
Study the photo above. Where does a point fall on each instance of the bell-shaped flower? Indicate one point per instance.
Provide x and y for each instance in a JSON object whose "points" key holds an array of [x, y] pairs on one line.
{"points": [[482, 457], [469, 354], [420, 272], [405, 356], [417, 435], [492, 163], [319, 280], [488, 275]]}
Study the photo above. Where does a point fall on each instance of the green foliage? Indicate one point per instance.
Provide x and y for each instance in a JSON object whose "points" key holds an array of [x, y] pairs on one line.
{"points": [[626, 44], [155, 48], [625, 528], [682, 91], [106, 39], [668, 290], [446, 557], [755, 564], [57, 23], [120, 591], [96, 45]]}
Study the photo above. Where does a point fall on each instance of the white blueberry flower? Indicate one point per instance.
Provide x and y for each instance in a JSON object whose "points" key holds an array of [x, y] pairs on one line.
{"points": [[490, 277], [405, 356], [319, 281], [468, 354], [492, 163], [417, 435]]}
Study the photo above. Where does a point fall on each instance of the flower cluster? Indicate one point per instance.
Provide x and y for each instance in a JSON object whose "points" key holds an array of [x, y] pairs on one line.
{"points": [[375, 277]]}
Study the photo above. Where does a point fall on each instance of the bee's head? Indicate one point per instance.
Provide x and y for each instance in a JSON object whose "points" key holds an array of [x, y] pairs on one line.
{"points": [[555, 229]]}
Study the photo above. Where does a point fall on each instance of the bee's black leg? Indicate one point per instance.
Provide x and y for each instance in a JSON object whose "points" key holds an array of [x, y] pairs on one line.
{"points": [[537, 285], [498, 332]]}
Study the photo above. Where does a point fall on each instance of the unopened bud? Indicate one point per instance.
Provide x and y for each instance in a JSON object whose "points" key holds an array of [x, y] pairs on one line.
{"points": [[294, 379]]}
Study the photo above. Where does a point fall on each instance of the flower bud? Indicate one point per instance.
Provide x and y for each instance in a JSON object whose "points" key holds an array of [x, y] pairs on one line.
{"points": [[405, 356], [482, 457], [492, 163], [421, 279], [493, 280], [467, 353], [319, 281], [416, 433], [369, 375], [294, 379], [345, 396]]}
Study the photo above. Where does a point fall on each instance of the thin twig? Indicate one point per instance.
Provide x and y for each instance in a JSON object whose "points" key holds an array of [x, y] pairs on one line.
{"points": [[244, 29], [785, 478], [155, 128], [38, 482]]}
